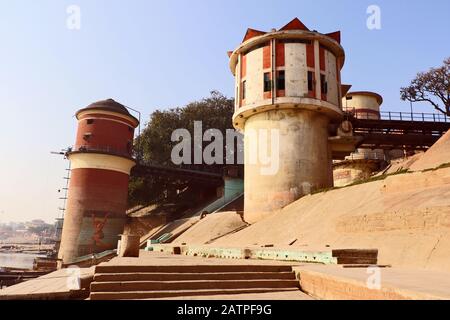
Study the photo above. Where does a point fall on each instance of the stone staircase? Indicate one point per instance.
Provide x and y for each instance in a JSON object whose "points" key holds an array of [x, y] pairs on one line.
{"points": [[151, 282]]}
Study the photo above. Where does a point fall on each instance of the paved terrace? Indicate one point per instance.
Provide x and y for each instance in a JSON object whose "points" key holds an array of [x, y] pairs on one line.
{"points": [[319, 281], [52, 286]]}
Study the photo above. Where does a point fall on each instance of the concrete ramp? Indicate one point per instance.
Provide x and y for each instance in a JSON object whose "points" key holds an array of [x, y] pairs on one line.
{"points": [[212, 227], [174, 229]]}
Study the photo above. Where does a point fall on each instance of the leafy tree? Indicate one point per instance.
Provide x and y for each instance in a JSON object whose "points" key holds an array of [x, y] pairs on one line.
{"points": [[215, 112], [432, 86]]}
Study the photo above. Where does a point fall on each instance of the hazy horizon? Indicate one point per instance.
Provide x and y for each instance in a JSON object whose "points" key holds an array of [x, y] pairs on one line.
{"points": [[150, 55]]}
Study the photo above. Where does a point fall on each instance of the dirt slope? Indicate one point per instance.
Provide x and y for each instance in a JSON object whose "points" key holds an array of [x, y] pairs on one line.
{"points": [[437, 155], [406, 217], [402, 164]]}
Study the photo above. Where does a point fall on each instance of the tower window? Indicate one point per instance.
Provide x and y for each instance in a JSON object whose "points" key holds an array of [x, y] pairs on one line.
{"points": [[90, 121], [323, 84], [243, 89], [267, 82], [281, 81], [87, 136], [310, 81]]}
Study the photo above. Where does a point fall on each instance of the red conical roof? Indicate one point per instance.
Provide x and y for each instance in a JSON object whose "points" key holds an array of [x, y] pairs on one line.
{"points": [[295, 24], [251, 33], [335, 35]]}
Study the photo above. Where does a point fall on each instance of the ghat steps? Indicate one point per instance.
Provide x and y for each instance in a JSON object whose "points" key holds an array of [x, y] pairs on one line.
{"points": [[147, 282]]}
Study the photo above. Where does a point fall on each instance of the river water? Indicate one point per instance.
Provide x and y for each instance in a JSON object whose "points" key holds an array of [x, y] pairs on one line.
{"points": [[17, 260]]}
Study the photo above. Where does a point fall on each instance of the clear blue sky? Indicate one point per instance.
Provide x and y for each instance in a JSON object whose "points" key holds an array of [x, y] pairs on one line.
{"points": [[159, 54]]}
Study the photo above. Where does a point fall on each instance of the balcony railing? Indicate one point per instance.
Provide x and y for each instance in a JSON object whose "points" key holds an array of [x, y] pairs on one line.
{"points": [[102, 149], [400, 116]]}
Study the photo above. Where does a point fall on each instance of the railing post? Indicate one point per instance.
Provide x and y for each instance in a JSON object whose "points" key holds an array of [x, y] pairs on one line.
{"points": [[390, 115], [434, 117], [423, 117], [401, 118]]}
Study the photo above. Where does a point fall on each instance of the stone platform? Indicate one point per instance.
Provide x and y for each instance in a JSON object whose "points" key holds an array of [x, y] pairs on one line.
{"points": [[53, 286], [156, 275]]}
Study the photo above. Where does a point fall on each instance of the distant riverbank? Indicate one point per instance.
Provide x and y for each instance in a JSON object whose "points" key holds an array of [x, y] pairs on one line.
{"points": [[26, 248], [17, 260], [21, 256]]}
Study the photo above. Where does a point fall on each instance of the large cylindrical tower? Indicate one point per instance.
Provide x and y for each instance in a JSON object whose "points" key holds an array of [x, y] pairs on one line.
{"points": [[101, 161], [288, 83]]}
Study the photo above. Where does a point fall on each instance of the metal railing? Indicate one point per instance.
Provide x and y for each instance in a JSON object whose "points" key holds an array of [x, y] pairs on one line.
{"points": [[399, 116], [367, 154], [102, 149], [408, 116]]}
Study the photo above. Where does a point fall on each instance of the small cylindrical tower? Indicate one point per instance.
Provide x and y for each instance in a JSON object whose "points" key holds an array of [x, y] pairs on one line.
{"points": [[364, 104], [101, 161], [287, 81], [363, 162]]}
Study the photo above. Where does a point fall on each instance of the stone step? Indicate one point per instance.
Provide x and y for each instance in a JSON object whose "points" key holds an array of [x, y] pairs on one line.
{"points": [[135, 295], [347, 253], [190, 285], [191, 268], [356, 261], [139, 276]]}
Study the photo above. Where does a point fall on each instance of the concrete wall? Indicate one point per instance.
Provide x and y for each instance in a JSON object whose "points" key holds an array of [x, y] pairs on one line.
{"points": [[332, 78], [349, 172], [304, 161], [254, 77], [237, 86], [296, 70]]}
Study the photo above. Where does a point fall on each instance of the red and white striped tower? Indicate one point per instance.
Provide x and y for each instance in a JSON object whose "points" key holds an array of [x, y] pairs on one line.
{"points": [[101, 161]]}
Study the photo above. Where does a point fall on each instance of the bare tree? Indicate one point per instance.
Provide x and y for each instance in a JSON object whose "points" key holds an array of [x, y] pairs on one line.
{"points": [[432, 86]]}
